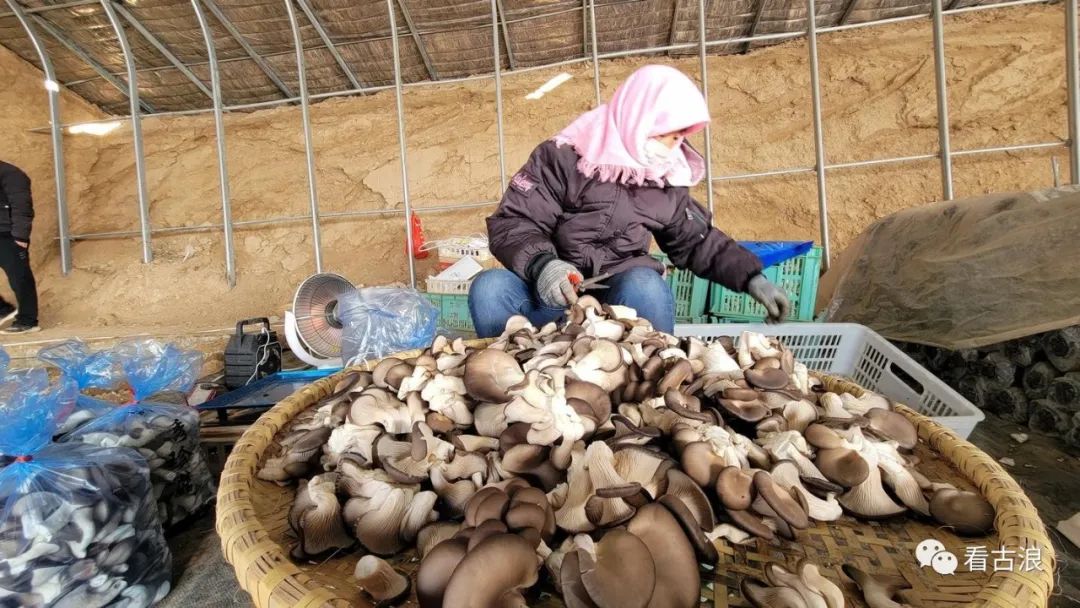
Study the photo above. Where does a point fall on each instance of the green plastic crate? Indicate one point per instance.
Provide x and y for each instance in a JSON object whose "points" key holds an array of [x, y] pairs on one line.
{"points": [[453, 310], [691, 292], [799, 278]]}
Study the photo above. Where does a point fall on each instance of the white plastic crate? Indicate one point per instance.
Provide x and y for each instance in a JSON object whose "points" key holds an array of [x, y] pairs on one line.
{"points": [[859, 354], [452, 287]]}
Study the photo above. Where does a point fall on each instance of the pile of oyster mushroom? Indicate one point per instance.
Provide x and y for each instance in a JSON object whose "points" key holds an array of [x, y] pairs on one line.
{"points": [[648, 449], [168, 437], [80, 529]]}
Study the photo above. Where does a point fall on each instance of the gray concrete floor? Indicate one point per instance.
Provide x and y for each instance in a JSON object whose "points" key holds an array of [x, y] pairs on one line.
{"points": [[1049, 475]]}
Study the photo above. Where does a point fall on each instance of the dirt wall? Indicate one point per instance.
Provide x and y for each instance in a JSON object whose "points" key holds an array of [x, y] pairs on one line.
{"points": [[1006, 85], [25, 107]]}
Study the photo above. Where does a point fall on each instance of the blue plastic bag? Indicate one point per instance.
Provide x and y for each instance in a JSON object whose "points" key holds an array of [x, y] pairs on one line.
{"points": [[166, 435], [380, 321], [772, 253], [89, 368], [79, 522], [153, 367]]}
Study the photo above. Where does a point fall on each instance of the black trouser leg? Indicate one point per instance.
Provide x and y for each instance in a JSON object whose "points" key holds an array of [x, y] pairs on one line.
{"points": [[15, 261]]}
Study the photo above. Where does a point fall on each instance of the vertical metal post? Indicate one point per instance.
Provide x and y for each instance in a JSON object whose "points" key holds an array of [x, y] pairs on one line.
{"points": [[595, 59], [136, 131], [219, 134], [1073, 82], [52, 87], [705, 93], [401, 142], [305, 116], [498, 93], [819, 131], [942, 100]]}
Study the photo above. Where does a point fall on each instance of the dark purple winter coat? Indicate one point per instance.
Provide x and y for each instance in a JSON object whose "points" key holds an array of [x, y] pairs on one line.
{"points": [[551, 210]]}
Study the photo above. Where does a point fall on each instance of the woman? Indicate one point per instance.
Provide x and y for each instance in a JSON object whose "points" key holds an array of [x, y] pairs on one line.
{"points": [[587, 202]]}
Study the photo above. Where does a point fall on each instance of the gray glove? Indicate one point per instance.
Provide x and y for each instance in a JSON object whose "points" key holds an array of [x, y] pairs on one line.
{"points": [[770, 296], [554, 286]]}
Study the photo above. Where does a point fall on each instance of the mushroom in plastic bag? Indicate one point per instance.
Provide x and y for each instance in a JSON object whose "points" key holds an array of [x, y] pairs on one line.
{"points": [[166, 434], [79, 524], [89, 369]]}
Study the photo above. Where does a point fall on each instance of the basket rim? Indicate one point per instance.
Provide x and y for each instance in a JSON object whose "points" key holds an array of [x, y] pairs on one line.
{"points": [[264, 570]]}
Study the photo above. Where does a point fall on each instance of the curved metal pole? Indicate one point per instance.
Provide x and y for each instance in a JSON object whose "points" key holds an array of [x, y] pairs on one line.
{"points": [[136, 130], [595, 51], [400, 104], [819, 131], [498, 92], [52, 86], [219, 136], [305, 116], [705, 94], [942, 101]]}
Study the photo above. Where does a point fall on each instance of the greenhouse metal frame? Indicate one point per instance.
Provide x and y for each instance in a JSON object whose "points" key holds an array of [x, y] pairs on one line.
{"points": [[139, 109]]}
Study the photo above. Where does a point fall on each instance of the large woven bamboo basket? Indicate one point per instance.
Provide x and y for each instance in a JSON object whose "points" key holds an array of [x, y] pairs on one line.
{"points": [[255, 535]]}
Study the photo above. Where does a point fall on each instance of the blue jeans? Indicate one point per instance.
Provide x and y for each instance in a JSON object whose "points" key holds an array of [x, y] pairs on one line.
{"points": [[497, 295]]}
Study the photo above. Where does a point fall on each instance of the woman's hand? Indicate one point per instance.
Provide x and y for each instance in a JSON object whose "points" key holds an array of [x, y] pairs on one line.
{"points": [[770, 296], [554, 285]]}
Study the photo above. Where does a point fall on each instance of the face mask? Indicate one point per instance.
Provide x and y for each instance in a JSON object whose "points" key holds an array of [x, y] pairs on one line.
{"points": [[656, 153]]}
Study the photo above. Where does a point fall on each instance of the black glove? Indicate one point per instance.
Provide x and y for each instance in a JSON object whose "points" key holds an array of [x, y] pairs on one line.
{"points": [[770, 296]]}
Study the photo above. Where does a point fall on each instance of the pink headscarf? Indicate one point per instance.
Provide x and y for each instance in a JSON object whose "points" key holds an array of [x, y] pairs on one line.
{"points": [[654, 100]]}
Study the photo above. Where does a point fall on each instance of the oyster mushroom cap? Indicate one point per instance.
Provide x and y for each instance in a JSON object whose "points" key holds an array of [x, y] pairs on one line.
{"points": [[379, 579], [774, 378], [842, 466], [435, 571], [893, 425], [734, 488], [320, 525], [493, 573], [717, 361], [689, 493], [811, 575], [703, 547], [752, 523], [617, 570], [967, 513], [678, 582], [781, 501], [490, 419], [799, 415], [895, 474], [833, 406], [786, 476], [877, 592], [762, 596], [490, 373], [778, 576], [868, 500], [434, 533], [378, 528]]}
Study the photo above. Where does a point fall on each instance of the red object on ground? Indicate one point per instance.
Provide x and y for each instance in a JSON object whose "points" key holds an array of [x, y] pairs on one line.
{"points": [[418, 238]]}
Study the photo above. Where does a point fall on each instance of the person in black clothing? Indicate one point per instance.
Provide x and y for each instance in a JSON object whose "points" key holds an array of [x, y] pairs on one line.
{"points": [[16, 218]]}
